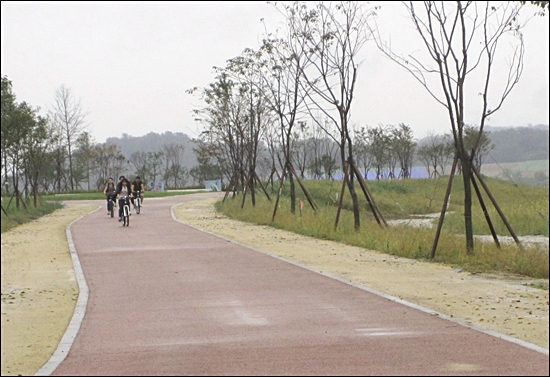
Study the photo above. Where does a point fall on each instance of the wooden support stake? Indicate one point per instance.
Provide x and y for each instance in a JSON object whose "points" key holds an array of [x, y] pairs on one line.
{"points": [[283, 174], [341, 198], [442, 216], [485, 212], [306, 193], [508, 226], [249, 186], [262, 185], [229, 187], [370, 199]]}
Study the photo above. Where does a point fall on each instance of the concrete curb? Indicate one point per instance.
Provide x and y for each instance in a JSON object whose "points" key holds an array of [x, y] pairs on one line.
{"points": [[70, 334]]}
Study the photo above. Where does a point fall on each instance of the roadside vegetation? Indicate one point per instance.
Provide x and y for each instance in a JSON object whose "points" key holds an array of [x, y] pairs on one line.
{"points": [[15, 216], [525, 207]]}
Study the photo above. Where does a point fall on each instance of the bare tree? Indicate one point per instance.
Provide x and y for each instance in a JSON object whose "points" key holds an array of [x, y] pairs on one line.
{"points": [[247, 71], [461, 40], [225, 137], [140, 161], [173, 158], [109, 162], [68, 119], [434, 153], [332, 36], [281, 81]]}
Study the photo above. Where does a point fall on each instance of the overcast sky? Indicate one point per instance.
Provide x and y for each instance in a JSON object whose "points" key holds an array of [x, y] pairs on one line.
{"points": [[130, 63]]}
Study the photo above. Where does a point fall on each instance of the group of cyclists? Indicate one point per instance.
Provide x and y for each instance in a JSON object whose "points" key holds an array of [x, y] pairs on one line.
{"points": [[123, 192]]}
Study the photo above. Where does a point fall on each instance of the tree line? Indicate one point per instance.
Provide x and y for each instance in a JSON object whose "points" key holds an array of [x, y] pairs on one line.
{"points": [[53, 153]]}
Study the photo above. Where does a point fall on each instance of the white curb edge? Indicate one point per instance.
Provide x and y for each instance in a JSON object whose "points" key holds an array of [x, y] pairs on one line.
{"points": [[70, 334]]}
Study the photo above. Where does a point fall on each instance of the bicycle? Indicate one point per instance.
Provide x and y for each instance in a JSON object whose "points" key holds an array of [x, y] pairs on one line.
{"points": [[111, 205], [126, 212], [137, 201]]}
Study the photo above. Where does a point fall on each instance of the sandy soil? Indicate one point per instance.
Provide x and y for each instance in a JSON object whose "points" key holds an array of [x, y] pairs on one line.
{"points": [[39, 290]]}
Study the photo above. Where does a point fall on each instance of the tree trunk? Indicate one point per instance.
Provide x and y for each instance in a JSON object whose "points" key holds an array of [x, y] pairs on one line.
{"points": [[468, 223], [252, 187], [292, 194], [15, 179], [355, 201]]}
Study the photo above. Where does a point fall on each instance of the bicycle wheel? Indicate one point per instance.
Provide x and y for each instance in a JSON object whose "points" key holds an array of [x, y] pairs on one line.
{"points": [[126, 215], [138, 205], [112, 209]]}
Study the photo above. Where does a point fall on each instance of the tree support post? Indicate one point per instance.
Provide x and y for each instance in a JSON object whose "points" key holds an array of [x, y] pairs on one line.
{"points": [[261, 185], [247, 186], [229, 187], [445, 200], [283, 174], [341, 198], [485, 212], [508, 226], [306, 193], [370, 199]]}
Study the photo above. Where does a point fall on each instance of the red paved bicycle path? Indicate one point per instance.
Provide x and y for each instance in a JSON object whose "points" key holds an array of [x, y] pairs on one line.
{"points": [[168, 299]]}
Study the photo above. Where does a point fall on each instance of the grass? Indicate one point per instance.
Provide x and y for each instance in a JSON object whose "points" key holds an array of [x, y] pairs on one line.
{"points": [[20, 216], [527, 213]]}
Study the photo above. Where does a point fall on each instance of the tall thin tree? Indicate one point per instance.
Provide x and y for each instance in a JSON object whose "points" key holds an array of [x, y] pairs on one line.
{"points": [[67, 116], [461, 40]]}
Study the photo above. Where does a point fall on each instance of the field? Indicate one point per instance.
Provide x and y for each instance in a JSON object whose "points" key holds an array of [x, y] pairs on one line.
{"points": [[525, 208]]}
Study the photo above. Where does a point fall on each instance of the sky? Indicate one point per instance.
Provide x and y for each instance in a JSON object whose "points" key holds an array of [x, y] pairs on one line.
{"points": [[130, 64]]}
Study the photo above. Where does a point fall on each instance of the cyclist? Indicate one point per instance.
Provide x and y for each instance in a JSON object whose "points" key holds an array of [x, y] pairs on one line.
{"points": [[119, 184], [137, 185], [122, 194], [109, 191]]}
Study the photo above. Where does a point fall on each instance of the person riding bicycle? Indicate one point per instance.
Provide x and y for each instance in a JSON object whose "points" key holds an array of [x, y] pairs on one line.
{"points": [[137, 185], [123, 195], [109, 191], [119, 184]]}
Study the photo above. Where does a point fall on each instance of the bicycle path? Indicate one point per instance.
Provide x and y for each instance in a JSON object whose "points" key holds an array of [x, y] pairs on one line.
{"points": [[168, 299]]}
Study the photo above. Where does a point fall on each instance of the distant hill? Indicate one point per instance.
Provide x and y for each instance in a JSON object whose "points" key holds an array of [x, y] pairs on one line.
{"points": [[519, 144], [498, 129], [153, 142], [512, 144]]}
